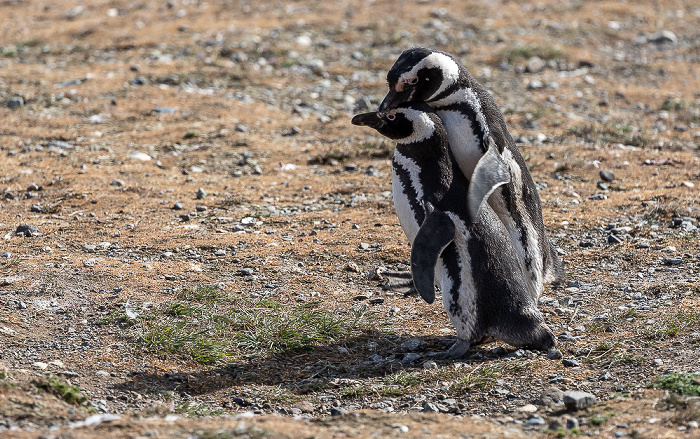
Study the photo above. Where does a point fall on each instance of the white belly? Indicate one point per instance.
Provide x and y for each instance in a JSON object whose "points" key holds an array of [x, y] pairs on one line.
{"points": [[464, 142], [407, 218]]}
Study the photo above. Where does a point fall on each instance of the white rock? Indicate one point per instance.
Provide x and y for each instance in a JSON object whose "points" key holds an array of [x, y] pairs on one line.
{"points": [[138, 155], [40, 365]]}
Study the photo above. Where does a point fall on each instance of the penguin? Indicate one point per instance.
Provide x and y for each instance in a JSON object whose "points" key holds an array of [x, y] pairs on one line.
{"points": [[485, 152], [484, 289]]}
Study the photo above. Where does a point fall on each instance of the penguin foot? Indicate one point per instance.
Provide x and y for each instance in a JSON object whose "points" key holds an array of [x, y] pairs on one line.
{"points": [[455, 352]]}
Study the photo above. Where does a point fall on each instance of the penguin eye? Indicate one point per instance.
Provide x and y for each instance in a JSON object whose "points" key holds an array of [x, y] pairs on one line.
{"points": [[391, 116], [413, 81]]}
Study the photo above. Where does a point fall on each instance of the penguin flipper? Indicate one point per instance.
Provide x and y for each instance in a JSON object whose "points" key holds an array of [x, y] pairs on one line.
{"points": [[491, 171], [436, 233]]}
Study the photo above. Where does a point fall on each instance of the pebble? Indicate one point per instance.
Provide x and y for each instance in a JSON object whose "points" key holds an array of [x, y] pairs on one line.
{"points": [[671, 261], [165, 110], [413, 345], [15, 102], [410, 358], [570, 363], [220, 252], [554, 354], [614, 239], [200, 208], [576, 400], [177, 206], [244, 271], [664, 36], [102, 373], [5, 255], [27, 230], [138, 155], [185, 217], [607, 176], [170, 277], [429, 407], [605, 376], [201, 193], [535, 64], [528, 408], [534, 421], [337, 411], [376, 301], [40, 365], [304, 406], [572, 423], [551, 396], [430, 364]]}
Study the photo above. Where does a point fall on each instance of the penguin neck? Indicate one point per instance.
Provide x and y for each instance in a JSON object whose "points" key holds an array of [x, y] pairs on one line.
{"points": [[433, 157]]}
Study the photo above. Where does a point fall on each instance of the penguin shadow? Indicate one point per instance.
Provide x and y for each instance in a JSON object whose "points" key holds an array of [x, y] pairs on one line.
{"points": [[372, 354]]}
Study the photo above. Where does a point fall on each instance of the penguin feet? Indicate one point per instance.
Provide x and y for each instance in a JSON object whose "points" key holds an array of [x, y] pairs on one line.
{"points": [[455, 352], [400, 281]]}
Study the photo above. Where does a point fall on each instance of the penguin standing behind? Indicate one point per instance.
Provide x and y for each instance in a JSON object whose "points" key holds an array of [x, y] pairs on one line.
{"points": [[483, 286], [485, 152]]}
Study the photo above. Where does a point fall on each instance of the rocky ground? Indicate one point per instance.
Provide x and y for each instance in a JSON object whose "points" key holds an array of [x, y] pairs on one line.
{"points": [[188, 220]]}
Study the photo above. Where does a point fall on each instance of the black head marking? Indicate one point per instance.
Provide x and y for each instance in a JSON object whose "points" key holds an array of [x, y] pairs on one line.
{"points": [[399, 123]]}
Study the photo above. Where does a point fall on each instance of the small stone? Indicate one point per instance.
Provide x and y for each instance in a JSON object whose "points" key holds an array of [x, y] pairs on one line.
{"points": [[534, 421], [102, 373], [413, 345], [602, 186], [40, 365], [170, 277], [27, 230], [607, 176], [535, 84], [500, 351], [410, 358], [614, 239], [139, 156], [551, 396], [665, 36], [15, 102], [244, 271], [5, 255], [572, 423], [376, 358], [118, 183], [241, 128], [364, 246], [535, 64], [185, 217], [576, 400], [528, 408], [220, 252], [351, 167], [554, 354], [165, 110], [200, 208], [429, 407], [35, 208], [605, 376], [671, 261], [304, 406], [177, 206], [570, 363], [658, 362], [338, 411], [430, 364], [376, 301], [201, 193]]}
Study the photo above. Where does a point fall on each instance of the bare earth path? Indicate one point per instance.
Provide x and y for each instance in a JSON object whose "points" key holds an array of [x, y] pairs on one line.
{"points": [[205, 220]]}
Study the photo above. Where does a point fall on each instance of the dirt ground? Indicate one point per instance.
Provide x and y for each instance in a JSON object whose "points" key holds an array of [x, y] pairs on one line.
{"points": [[206, 220]]}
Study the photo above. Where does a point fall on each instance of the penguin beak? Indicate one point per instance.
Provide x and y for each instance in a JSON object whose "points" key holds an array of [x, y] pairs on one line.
{"points": [[371, 120], [393, 99]]}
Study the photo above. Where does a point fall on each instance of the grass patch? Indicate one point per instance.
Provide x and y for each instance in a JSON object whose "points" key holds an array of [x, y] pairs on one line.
{"points": [[671, 326], [613, 133], [481, 378], [600, 419], [60, 388], [211, 327], [687, 384], [527, 52]]}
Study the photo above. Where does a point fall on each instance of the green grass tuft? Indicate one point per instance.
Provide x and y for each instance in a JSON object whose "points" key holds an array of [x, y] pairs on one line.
{"points": [[60, 388], [682, 383]]}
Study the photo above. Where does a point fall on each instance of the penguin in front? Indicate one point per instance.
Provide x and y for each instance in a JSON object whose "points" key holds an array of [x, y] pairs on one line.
{"points": [[483, 286], [485, 152]]}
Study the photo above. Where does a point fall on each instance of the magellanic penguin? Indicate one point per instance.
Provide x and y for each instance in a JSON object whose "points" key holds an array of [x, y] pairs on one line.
{"points": [[483, 285], [484, 150]]}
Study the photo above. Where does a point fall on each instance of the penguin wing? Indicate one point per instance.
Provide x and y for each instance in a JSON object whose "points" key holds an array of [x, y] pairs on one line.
{"points": [[490, 172], [436, 233]]}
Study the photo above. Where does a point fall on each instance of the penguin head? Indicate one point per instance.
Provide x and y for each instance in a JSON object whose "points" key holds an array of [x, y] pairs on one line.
{"points": [[408, 123], [420, 74]]}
